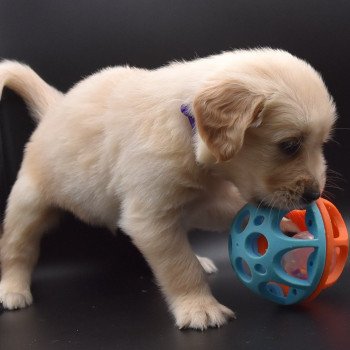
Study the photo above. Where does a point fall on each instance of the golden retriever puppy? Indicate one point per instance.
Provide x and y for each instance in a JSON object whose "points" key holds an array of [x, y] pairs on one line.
{"points": [[117, 151]]}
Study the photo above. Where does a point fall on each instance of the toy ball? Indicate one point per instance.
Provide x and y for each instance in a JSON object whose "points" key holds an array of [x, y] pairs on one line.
{"points": [[286, 267]]}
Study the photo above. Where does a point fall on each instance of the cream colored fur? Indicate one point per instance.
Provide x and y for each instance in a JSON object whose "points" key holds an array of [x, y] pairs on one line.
{"points": [[116, 151]]}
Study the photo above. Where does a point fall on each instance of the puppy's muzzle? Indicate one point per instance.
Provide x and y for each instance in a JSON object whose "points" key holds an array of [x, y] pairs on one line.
{"points": [[310, 195]]}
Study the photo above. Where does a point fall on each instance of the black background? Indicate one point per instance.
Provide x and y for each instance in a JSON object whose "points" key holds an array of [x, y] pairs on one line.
{"points": [[93, 290]]}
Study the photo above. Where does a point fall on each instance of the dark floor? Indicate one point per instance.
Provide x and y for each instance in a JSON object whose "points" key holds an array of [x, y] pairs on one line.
{"points": [[104, 297]]}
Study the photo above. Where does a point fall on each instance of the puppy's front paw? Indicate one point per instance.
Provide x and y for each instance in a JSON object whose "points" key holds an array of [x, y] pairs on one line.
{"points": [[15, 299], [207, 264], [200, 312]]}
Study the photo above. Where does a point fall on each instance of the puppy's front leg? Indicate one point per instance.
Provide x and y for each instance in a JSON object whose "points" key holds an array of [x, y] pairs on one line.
{"points": [[165, 246]]}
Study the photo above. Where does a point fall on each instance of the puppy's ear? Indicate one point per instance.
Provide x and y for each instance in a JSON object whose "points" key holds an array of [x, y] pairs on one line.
{"points": [[223, 111]]}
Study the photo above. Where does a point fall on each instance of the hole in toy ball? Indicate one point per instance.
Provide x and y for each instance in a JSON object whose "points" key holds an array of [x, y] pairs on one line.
{"points": [[296, 261], [335, 231], [242, 221], [277, 289], [334, 226], [289, 227], [293, 222], [260, 269], [257, 244], [230, 245], [294, 291], [258, 220], [309, 223], [334, 258], [243, 269]]}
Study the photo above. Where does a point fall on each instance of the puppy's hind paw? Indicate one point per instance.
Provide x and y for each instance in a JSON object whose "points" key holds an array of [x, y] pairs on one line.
{"points": [[207, 264], [12, 300]]}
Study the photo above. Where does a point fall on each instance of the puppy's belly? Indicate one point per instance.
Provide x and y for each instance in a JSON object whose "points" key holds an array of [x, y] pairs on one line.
{"points": [[92, 210]]}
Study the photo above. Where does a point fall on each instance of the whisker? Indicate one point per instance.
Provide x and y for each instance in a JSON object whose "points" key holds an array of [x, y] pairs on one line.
{"points": [[334, 187], [332, 171], [271, 207], [333, 184], [334, 174], [334, 141], [330, 182], [333, 179], [328, 195], [348, 129]]}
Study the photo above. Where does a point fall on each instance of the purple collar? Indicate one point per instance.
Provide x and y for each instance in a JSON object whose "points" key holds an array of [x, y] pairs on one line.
{"points": [[185, 110]]}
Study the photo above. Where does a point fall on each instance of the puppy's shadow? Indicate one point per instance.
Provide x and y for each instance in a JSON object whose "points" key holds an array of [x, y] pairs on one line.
{"points": [[75, 251]]}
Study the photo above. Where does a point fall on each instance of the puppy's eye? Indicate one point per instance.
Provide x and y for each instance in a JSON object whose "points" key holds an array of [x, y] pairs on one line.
{"points": [[290, 147]]}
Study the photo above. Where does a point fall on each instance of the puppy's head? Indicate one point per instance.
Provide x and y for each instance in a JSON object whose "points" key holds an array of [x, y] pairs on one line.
{"points": [[262, 125]]}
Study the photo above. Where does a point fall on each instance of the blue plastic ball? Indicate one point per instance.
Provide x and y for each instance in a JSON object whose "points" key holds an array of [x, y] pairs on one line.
{"points": [[258, 247]]}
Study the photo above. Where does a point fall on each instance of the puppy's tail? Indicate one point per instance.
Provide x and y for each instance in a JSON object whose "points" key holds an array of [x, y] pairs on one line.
{"points": [[38, 95]]}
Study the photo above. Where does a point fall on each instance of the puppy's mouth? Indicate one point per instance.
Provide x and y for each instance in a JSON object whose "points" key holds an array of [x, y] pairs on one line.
{"points": [[280, 203]]}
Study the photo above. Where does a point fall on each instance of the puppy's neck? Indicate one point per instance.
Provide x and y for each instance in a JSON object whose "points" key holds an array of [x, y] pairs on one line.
{"points": [[202, 152], [186, 111]]}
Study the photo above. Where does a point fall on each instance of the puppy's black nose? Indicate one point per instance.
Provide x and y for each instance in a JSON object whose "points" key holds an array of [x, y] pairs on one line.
{"points": [[310, 195]]}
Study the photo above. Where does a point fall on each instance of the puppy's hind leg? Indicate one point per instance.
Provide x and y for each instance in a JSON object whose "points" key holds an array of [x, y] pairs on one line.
{"points": [[27, 218]]}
